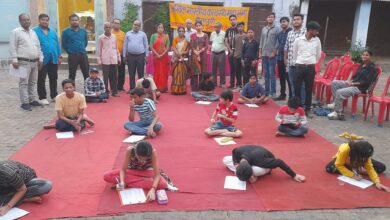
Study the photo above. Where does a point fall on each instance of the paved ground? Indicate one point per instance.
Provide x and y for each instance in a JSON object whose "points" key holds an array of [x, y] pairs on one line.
{"points": [[18, 127]]}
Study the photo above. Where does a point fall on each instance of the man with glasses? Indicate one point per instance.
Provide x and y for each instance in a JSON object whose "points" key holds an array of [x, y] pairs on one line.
{"points": [[135, 52]]}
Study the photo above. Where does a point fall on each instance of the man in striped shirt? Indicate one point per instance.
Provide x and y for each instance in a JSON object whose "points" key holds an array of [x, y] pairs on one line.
{"points": [[19, 183], [148, 124]]}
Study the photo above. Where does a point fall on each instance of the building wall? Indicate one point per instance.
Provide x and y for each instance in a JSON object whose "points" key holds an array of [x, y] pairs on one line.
{"points": [[341, 16], [379, 29]]}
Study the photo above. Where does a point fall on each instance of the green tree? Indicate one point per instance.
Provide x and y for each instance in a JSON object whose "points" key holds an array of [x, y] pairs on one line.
{"points": [[130, 15], [356, 52], [162, 16]]}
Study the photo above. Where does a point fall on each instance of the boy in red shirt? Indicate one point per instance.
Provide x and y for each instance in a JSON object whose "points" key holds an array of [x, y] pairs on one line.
{"points": [[291, 119], [224, 117]]}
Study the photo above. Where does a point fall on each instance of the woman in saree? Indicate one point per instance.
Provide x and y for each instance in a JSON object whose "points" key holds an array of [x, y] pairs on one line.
{"points": [[198, 59], [159, 44], [180, 47]]}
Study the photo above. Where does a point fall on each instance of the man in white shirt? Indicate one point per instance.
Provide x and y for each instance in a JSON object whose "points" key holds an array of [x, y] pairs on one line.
{"points": [[306, 53], [218, 56], [26, 54]]}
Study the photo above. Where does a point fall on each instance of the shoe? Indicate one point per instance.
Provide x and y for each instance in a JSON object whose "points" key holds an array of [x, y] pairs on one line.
{"points": [[280, 98], [43, 102], [26, 107], [115, 95], [35, 103], [222, 86], [336, 116], [331, 105], [308, 114], [332, 114]]}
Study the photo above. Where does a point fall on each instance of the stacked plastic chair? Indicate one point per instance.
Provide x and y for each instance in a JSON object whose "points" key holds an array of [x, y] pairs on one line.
{"points": [[384, 103]]}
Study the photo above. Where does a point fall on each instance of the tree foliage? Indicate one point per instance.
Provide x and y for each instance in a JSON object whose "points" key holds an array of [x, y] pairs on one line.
{"points": [[162, 16], [130, 13]]}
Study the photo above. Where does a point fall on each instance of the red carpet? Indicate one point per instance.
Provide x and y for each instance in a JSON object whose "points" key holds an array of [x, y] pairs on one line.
{"points": [[193, 161]]}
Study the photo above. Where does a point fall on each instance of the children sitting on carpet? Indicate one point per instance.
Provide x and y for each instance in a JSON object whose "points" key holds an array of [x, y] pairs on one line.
{"points": [[70, 107], [149, 121], [224, 117], [95, 91], [206, 89], [140, 170], [150, 87], [291, 118], [253, 92], [19, 184], [251, 161], [354, 159]]}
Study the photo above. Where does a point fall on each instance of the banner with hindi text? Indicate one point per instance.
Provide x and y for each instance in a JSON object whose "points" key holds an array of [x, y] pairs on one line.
{"points": [[207, 14]]}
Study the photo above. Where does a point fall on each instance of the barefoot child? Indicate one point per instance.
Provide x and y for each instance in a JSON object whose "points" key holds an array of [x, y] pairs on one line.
{"points": [[251, 161], [354, 159], [149, 123], [70, 107], [140, 170], [18, 184], [224, 117], [253, 92], [291, 119], [95, 90]]}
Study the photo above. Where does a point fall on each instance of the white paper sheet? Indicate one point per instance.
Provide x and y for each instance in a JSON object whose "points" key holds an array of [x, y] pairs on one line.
{"points": [[359, 183], [225, 141], [14, 213], [63, 135], [252, 105], [232, 182], [203, 102], [132, 196], [133, 139], [20, 72], [86, 132]]}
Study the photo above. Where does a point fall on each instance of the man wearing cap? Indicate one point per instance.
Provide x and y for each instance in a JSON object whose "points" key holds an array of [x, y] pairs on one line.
{"points": [[26, 56], [95, 90]]}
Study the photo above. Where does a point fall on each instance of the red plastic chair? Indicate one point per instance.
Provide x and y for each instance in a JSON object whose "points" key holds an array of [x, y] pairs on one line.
{"points": [[384, 103], [369, 93], [345, 58], [329, 73], [325, 84], [319, 63]]}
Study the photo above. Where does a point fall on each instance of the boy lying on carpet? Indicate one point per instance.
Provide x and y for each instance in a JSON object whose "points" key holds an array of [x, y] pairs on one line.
{"points": [[70, 107], [206, 88], [224, 117], [140, 170], [149, 121], [18, 184], [291, 118], [353, 159], [150, 87], [95, 90], [253, 92], [251, 161]]}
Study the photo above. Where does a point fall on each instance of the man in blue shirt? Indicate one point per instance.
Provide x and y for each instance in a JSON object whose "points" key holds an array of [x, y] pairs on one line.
{"points": [[74, 42], [253, 92], [51, 58], [135, 52], [282, 37]]}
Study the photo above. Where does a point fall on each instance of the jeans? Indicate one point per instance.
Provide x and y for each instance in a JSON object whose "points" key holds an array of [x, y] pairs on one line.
{"points": [[135, 62], [76, 59], [283, 77], [141, 127], [293, 132], [218, 61], [210, 97], [304, 74], [35, 187], [27, 86], [99, 98], [341, 91], [248, 70], [219, 126], [291, 76], [269, 65], [62, 125], [110, 74], [51, 70], [121, 75], [257, 171], [232, 70]]}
